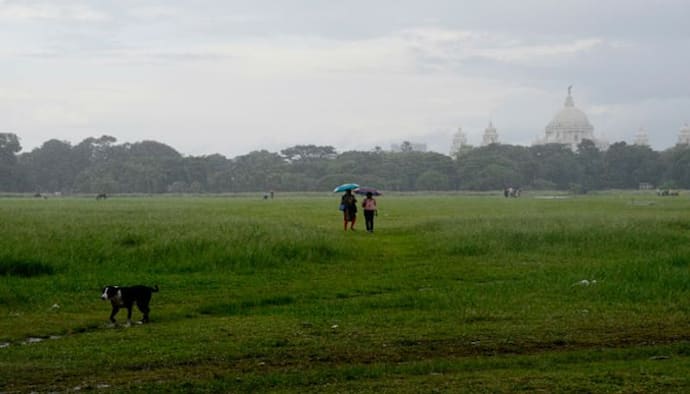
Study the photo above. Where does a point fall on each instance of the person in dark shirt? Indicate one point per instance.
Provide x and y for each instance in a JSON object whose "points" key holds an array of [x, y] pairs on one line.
{"points": [[349, 204]]}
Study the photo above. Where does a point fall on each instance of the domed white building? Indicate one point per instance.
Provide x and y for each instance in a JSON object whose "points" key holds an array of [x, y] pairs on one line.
{"points": [[641, 138], [490, 135], [459, 143], [569, 127], [684, 135]]}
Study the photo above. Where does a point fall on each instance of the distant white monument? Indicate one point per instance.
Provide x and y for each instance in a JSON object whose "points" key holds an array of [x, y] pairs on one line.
{"points": [[641, 138], [569, 127], [490, 135], [684, 135], [459, 143]]}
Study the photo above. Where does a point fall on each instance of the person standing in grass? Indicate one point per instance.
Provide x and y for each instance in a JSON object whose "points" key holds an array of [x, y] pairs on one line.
{"points": [[369, 205], [349, 203]]}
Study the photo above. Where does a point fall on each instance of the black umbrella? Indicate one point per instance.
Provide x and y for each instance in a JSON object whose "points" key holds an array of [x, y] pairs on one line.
{"points": [[364, 190]]}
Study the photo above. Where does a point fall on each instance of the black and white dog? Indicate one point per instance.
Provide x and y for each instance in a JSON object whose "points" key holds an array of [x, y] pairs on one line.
{"points": [[128, 296]]}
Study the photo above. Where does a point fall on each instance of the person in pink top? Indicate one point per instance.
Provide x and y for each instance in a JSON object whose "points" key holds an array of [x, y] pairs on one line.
{"points": [[369, 205]]}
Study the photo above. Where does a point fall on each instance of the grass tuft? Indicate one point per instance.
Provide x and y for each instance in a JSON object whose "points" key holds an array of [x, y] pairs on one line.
{"points": [[245, 307], [24, 268]]}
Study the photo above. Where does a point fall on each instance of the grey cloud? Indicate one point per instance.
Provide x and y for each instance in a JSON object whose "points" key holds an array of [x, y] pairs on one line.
{"points": [[640, 54]]}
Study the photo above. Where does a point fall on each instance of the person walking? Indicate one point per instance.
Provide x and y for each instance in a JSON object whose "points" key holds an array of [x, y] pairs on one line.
{"points": [[370, 210], [349, 205]]}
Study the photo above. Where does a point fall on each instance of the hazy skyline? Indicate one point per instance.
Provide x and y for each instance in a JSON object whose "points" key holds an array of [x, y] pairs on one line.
{"points": [[230, 77]]}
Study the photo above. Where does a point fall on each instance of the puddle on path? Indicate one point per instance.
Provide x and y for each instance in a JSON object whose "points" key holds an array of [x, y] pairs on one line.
{"points": [[29, 341]]}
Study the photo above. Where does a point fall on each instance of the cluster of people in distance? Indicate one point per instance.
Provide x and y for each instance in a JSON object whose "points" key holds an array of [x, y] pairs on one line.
{"points": [[348, 204], [511, 192]]}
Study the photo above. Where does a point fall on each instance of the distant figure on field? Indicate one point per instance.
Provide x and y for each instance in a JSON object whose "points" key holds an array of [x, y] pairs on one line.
{"points": [[349, 203], [511, 192], [101, 196], [369, 205]]}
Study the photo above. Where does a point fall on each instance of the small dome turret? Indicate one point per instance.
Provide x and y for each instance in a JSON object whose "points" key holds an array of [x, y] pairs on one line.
{"points": [[641, 138], [490, 135], [684, 135]]}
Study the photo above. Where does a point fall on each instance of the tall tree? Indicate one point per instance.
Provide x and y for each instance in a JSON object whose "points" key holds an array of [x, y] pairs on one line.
{"points": [[495, 166], [591, 160], [557, 165], [93, 150], [629, 165], [50, 167], [257, 171], [9, 146], [677, 166]]}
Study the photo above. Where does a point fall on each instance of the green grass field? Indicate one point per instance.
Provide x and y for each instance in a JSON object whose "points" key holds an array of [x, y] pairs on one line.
{"points": [[452, 293]]}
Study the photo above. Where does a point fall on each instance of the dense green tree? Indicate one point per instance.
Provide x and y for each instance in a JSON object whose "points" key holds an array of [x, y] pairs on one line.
{"points": [[98, 165], [557, 164], [311, 161], [199, 172], [9, 146], [9, 172], [51, 167], [495, 166], [366, 165], [406, 147], [142, 167], [591, 161], [431, 180], [151, 166], [401, 169], [676, 166], [308, 152], [257, 171], [93, 150], [626, 166]]}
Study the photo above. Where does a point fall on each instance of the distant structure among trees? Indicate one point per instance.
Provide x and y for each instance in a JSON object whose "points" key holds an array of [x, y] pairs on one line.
{"points": [[490, 135], [459, 144], [641, 138], [569, 127]]}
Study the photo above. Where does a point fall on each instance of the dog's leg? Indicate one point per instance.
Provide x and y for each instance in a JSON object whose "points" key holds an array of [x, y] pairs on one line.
{"points": [[113, 313], [129, 315], [143, 304], [145, 310]]}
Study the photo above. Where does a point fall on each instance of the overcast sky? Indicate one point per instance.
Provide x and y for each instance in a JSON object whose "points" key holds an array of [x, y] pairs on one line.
{"points": [[230, 77]]}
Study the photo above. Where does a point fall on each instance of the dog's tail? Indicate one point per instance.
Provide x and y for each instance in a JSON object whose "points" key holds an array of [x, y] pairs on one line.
{"points": [[154, 289]]}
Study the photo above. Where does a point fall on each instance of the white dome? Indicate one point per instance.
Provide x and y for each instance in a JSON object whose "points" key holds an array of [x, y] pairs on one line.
{"points": [[571, 118], [570, 126]]}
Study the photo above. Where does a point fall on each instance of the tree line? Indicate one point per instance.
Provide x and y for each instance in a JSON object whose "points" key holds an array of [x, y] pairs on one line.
{"points": [[101, 165]]}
